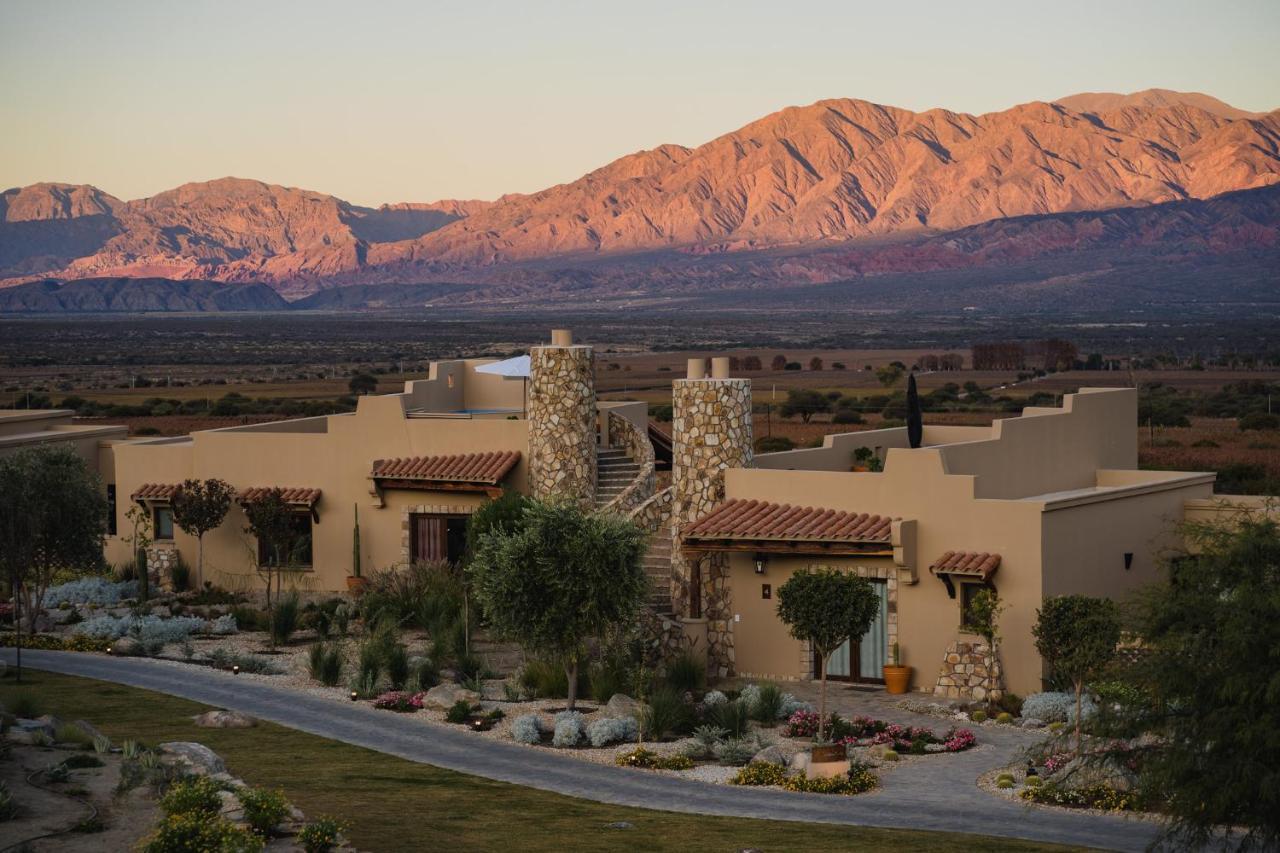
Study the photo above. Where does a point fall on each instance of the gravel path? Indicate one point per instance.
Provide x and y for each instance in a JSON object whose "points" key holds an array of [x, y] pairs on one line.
{"points": [[924, 796]]}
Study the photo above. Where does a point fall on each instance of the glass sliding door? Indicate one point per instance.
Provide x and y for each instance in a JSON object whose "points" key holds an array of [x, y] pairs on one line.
{"points": [[864, 660]]}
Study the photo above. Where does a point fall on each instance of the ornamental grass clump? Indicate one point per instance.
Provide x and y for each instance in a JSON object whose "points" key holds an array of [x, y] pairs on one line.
{"points": [[665, 714], [705, 739], [734, 717], [459, 712], [734, 752], [685, 672], [325, 663]]}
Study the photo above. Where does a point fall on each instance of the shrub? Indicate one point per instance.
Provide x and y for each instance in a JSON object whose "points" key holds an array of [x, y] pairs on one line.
{"points": [[249, 618], [182, 833], [733, 717], [459, 712], [802, 724], [846, 416], [790, 705], [286, 616], [426, 674], [369, 665], [81, 761], [71, 733], [760, 773], [638, 757], [325, 664], [612, 730], [859, 780], [1034, 781], [978, 716], [223, 626], [734, 752], [91, 590], [321, 835], [1089, 797], [705, 740], [673, 762], [180, 575], [1010, 703], [685, 672], [774, 444], [196, 794], [569, 729], [407, 703], [1004, 783], [665, 714], [606, 680], [1055, 707], [1004, 717], [547, 679], [890, 755], [263, 809], [146, 629], [714, 697], [527, 728], [469, 668], [1259, 421]]}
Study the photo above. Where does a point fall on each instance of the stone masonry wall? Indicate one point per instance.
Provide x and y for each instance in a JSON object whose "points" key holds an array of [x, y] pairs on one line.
{"points": [[970, 672], [562, 423], [711, 431]]}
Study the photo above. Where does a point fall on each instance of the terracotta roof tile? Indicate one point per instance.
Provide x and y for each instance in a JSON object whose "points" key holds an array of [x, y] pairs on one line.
{"points": [[752, 519], [155, 491], [481, 468], [291, 494], [968, 563]]}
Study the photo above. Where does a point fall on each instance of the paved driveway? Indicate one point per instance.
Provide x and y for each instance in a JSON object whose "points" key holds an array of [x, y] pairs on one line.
{"points": [[926, 796]]}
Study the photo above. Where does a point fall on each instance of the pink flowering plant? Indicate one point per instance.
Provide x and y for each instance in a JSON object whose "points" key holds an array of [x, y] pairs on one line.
{"points": [[399, 700], [867, 731], [802, 724]]}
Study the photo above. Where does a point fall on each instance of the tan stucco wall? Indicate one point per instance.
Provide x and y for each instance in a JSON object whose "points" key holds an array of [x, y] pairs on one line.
{"points": [[20, 430], [337, 461]]}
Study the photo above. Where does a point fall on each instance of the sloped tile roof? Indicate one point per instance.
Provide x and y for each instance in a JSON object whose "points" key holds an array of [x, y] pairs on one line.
{"points": [[291, 494], [155, 491], [487, 469], [968, 563], [753, 519]]}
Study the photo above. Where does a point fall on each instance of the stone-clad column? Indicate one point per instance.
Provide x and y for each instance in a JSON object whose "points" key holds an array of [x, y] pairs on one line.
{"points": [[562, 421], [711, 431]]}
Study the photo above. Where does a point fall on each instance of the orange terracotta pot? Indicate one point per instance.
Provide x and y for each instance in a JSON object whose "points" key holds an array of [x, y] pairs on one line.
{"points": [[897, 678], [355, 586]]}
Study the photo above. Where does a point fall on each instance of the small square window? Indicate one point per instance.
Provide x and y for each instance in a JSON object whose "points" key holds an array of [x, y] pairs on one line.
{"points": [[163, 517]]}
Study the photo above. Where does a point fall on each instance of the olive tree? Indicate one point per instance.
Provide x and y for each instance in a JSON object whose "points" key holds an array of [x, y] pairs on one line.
{"points": [[1077, 637], [198, 507], [559, 578], [826, 608]]}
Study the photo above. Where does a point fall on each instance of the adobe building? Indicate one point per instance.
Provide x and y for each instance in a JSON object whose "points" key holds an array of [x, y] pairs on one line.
{"points": [[1048, 503]]}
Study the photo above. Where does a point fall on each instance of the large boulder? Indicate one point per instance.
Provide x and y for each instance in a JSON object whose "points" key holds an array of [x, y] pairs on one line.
{"points": [[445, 696], [622, 705], [88, 728], [771, 755], [196, 757], [126, 647], [224, 720]]}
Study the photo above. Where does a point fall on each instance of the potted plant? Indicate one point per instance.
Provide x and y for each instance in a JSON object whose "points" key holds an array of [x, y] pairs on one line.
{"points": [[356, 583], [896, 676]]}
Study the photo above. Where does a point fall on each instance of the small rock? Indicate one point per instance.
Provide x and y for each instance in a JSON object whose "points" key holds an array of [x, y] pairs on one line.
{"points": [[230, 802], [444, 696], [800, 762], [228, 780], [1031, 723], [201, 760], [224, 720], [622, 705], [1085, 773], [620, 824], [771, 755]]}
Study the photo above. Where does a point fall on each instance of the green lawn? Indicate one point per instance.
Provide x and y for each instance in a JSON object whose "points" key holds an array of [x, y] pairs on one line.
{"points": [[393, 804]]}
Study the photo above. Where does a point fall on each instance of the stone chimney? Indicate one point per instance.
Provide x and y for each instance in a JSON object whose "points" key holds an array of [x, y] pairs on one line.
{"points": [[562, 420], [711, 431]]}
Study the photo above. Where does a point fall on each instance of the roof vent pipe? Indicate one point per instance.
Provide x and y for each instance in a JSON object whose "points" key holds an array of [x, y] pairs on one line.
{"points": [[720, 368], [561, 337], [697, 369]]}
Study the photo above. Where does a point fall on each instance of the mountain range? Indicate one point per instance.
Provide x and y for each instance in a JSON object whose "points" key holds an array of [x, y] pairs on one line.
{"points": [[836, 190]]}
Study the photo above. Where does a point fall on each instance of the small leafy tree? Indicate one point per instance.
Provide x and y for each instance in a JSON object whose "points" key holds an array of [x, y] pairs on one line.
{"points": [[198, 507], [827, 608], [804, 402], [779, 362], [561, 577], [1077, 637], [815, 363], [272, 522], [503, 513], [984, 620], [363, 383], [889, 374]]}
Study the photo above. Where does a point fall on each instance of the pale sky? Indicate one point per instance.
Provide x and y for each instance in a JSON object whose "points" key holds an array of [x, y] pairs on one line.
{"points": [[414, 101]]}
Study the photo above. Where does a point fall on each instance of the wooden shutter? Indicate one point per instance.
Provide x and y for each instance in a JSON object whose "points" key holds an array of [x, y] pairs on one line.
{"points": [[430, 540]]}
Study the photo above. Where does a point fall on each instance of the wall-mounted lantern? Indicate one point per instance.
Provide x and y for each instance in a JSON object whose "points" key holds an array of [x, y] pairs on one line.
{"points": [[761, 560], [1128, 560]]}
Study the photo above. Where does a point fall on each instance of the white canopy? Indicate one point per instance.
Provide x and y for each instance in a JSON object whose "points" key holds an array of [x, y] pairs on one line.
{"points": [[511, 368]]}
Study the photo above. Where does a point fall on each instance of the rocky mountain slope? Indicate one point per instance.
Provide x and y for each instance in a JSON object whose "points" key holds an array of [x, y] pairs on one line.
{"points": [[106, 295], [805, 179]]}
